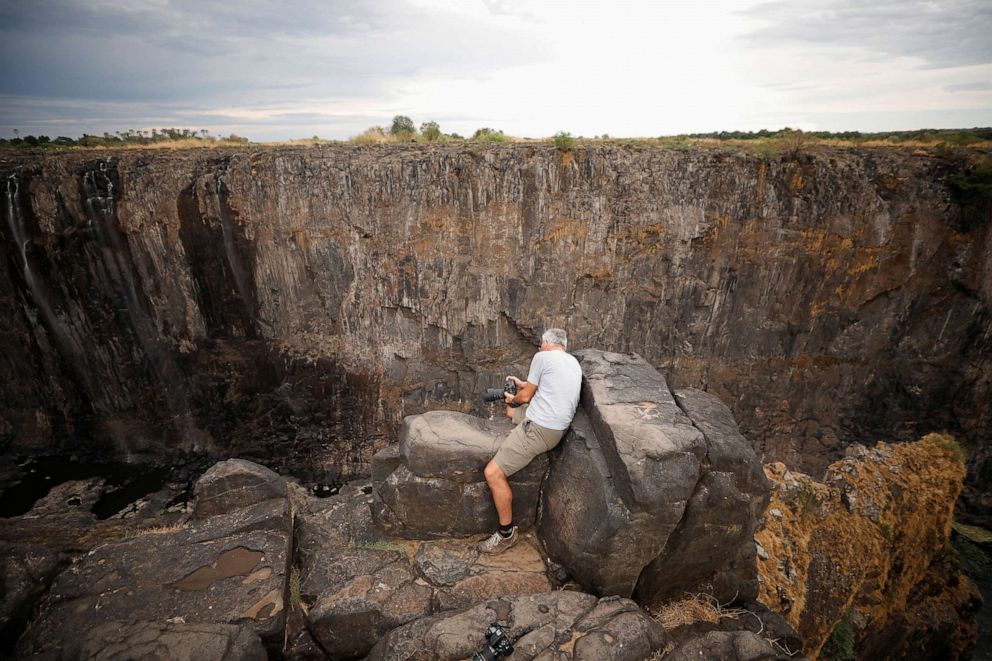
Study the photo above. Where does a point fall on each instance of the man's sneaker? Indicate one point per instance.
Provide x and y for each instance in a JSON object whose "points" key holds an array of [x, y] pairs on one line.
{"points": [[496, 543]]}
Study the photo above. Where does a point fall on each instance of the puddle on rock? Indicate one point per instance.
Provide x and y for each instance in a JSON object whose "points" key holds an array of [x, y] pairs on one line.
{"points": [[238, 561]]}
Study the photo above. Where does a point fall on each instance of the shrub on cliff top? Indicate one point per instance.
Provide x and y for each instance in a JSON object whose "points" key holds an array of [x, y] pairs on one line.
{"points": [[402, 125], [564, 141], [486, 134], [430, 131], [947, 443]]}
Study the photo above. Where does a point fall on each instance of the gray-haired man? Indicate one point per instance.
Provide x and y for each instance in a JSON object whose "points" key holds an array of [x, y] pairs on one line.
{"points": [[551, 395]]}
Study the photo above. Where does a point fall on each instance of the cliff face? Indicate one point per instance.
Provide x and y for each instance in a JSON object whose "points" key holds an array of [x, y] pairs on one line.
{"points": [[297, 302], [871, 546]]}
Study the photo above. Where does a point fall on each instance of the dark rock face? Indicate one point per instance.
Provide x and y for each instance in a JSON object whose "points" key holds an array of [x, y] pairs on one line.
{"points": [[545, 626], [661, 484], [432, 484], [233, 484], [297, 303], [28, 570]]}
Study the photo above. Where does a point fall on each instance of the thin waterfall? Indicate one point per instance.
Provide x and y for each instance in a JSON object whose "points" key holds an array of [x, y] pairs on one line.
{"points": [[234, 261], [19, 235], [65, 342], [98, 188]]}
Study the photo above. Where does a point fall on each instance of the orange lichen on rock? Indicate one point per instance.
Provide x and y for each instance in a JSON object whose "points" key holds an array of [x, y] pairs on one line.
{"points": [[873, 539]]}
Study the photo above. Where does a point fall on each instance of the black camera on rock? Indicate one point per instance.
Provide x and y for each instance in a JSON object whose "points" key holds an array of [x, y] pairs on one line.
{"points": [[496, 394], [497, 644]]}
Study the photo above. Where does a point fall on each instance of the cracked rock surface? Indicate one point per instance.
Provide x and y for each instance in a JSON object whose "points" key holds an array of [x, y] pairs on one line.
{"points": [[358, 584], [552, 625]]}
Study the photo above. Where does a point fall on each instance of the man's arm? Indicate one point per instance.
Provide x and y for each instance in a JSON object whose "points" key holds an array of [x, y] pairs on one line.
{"points": [[525, 391]]}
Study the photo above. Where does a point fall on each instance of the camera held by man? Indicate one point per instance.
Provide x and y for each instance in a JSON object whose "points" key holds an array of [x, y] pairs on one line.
{"points": [[499, 394]]}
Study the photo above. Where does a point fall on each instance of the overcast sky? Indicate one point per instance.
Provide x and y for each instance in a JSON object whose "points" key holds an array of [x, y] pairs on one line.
{"points": [[275, 70]]}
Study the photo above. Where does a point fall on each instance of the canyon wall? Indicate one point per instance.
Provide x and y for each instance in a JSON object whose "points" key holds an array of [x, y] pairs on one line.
{"points": [[294, 303]]}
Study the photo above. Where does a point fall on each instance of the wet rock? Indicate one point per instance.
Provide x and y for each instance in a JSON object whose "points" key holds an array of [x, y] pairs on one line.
{"points": [[670, 498], [233, 484], [384, 282], [73, 499], [225, 569], [432, 485], [542, 626], [171, 641]]}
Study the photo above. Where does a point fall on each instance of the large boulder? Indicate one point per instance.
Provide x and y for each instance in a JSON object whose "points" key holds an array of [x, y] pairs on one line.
{"points": [[431, 485], [233, 484], [551, 625], [715, 540], [653, 492], [226, 569]]}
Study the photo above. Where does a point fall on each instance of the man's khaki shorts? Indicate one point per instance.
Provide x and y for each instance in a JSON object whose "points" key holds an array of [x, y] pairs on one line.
{"points": [[526, 441]]}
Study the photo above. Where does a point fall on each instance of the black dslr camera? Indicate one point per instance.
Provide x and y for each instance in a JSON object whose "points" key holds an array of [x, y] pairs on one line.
{"points": [[497, 394], [497, 645]]}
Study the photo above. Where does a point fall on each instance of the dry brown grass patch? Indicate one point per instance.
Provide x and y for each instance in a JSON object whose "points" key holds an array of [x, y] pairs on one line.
{"points": [[693, 608], [161, 530]]}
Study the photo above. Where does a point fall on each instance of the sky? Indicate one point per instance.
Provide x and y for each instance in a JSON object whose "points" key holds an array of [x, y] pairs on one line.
{"points": [[271, 70]]}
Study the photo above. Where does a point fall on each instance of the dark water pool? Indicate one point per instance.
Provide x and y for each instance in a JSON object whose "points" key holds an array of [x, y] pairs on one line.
{"points": [[33, 478]]}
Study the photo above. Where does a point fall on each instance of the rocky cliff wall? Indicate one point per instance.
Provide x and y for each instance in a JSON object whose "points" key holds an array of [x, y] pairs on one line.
{"points": [[868, 551], [298, 302]]}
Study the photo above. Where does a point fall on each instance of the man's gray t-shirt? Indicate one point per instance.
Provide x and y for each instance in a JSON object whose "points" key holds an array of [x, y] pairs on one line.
{"points": [[558, 378]]}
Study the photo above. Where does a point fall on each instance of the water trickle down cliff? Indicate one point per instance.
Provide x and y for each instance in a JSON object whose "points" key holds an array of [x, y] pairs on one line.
{"points": [[297, 302]]}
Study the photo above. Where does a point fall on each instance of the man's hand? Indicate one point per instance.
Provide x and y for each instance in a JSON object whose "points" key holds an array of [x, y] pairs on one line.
{"points": [[525, 391]]}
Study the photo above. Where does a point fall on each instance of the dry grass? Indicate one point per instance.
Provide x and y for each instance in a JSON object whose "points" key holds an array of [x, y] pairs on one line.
{"points": [[701, 607], [693, 608], [159, 144], [161, 530]]}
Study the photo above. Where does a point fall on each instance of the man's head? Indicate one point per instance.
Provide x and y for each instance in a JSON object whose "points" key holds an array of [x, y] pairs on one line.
{"points": [[554, 338]]}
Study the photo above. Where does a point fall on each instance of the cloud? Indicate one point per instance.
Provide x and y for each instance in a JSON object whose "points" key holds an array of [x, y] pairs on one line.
{"points": [[977, 86], [254, 52], [274, 70], [941, 34]]}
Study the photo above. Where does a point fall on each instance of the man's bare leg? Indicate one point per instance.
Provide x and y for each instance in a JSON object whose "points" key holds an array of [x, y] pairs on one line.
{"points": [[502, 494]]}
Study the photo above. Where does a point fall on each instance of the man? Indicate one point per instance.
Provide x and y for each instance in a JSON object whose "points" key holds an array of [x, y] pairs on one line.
{"points": [[550, 395]]}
